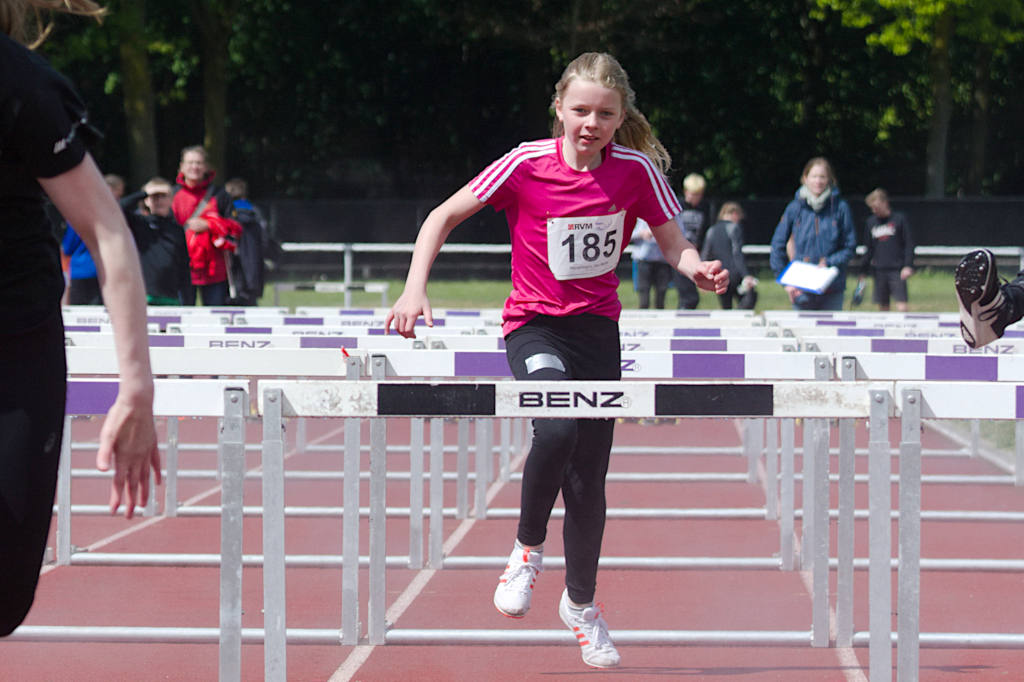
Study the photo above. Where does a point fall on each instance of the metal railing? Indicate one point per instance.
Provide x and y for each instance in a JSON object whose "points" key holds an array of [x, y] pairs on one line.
{"points": [[349, 249]]}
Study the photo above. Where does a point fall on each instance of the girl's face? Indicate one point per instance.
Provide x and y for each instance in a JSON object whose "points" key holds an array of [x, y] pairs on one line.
{"points": [[817, 179], [590, 113]]}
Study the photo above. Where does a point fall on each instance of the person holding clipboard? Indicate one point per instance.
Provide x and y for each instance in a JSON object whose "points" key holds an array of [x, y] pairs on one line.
{"points": [[820, 225]]}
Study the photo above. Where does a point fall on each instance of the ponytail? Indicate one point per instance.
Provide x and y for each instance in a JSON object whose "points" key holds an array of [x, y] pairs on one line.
{"points": [[27, 21], [635, 133]]}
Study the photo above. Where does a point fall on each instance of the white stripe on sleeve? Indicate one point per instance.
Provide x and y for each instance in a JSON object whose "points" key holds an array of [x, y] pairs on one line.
{"points": [[492, 177]]}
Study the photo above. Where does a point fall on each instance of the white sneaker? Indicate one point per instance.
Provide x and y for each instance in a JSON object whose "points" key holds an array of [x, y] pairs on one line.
{"points": [[591, 632], [515, 587]]}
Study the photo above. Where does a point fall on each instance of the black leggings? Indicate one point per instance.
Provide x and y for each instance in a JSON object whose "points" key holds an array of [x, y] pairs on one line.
{"points": [[32, 372], [570, 455]]}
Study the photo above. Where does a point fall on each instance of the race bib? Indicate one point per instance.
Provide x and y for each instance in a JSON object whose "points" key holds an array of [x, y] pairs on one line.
{"points": [[584, 247]]}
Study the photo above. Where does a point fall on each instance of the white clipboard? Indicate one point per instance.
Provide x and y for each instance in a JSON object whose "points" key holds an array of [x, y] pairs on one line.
{"points": [[808, 277]]}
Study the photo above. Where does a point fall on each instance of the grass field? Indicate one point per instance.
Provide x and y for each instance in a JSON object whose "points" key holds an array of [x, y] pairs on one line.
{"points": [[930, 290]]}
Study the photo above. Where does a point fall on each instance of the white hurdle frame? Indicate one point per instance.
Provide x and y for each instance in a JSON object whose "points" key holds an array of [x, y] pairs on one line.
{"points": [[813, 482], [809, 400]]}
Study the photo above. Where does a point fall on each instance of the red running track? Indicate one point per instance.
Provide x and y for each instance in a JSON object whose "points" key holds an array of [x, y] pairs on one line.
{"points": [[461, 598]]}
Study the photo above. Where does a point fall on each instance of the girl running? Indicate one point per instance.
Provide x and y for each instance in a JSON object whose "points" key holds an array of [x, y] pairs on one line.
{"points": [[571, 203]]}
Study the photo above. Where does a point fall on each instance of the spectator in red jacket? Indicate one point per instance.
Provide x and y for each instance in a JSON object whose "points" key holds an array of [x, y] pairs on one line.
{"points": [[201, 208]]}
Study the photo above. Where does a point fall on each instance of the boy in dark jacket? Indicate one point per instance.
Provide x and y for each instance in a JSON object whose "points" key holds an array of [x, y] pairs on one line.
{"points": [[161, 243], [889, 254], [247, 267]]}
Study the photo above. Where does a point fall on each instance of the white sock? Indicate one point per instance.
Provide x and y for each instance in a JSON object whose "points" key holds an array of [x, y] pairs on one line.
{"points": [[539, 549]]}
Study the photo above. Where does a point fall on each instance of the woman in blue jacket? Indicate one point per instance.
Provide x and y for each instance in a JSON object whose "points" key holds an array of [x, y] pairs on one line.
{"points": [[822, 232]]}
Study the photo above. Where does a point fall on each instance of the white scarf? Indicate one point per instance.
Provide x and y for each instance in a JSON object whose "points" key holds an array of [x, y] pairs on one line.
{"points": [[815, 202]]}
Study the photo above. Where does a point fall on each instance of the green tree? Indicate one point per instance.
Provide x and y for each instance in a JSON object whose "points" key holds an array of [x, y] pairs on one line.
{"points": [[215, 20], [900, 25], [127, 25]]}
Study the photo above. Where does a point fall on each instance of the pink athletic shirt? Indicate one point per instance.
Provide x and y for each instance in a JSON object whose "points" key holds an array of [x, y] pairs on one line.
{"points": [[568, 227]]}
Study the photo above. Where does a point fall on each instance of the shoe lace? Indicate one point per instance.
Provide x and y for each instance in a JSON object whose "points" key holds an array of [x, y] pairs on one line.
{"points": [[519, 575], [596, 627]]}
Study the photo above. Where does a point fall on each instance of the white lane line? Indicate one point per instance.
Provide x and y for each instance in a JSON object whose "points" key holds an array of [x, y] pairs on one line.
{"points": [[103, 542], [360, 653], [852, 670]]}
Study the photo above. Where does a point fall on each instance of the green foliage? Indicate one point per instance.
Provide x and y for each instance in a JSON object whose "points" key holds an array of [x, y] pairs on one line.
{"points": [[410, 98]]}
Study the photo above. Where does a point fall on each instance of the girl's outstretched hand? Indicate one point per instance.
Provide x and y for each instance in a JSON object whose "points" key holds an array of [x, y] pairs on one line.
{"points": [[406, 311], [711, 276]]}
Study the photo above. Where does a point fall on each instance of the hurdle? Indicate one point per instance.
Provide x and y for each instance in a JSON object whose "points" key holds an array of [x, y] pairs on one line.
{"points": [[825, 400], [838, 401], [866, 375]]}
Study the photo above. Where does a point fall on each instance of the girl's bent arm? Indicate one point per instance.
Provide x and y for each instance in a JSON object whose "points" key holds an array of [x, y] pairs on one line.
{"points": [[678, 250], [128, 436], [433, 233]]}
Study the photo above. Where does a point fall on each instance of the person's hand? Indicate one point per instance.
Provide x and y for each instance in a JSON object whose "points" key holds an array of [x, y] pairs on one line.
{"points": [[711, 276], [128, 439], [792, 292], [749, 282], [906, 273], [197, 224], [406, 311]]}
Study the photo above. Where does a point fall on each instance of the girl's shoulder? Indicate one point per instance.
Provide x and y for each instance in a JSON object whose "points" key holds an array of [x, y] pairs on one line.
{"points": [[515, 165], [524, 153], [532, 149], [627, 155]]}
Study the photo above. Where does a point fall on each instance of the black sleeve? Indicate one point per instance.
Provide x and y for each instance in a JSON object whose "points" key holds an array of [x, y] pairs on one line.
{"points": [[908, 242], [130, 201], [138, 226], [737, 252], [225, 204], [869, 248], [52, 132], [185, 267]]}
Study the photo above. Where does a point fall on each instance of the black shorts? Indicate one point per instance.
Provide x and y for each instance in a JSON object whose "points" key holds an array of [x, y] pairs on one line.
{"points": [[888, 283], [584, 347]]}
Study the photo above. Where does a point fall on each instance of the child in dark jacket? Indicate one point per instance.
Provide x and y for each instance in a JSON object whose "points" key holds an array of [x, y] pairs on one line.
{"points": [[724, 241], [889, 255]]}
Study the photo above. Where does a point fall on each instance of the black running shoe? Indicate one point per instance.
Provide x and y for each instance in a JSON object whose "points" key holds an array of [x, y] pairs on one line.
{"points": [[984, 310]]}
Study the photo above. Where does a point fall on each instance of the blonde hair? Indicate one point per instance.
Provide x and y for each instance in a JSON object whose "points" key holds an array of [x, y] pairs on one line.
{"points": [[27, 21], [727, 208], [157, 182], [695, 183], [876, 197], [635, 131]]}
